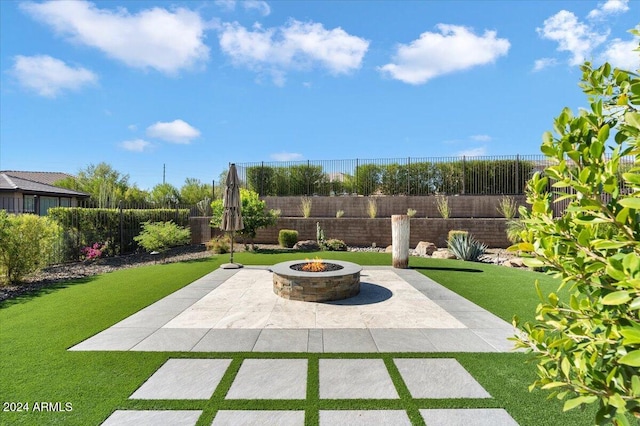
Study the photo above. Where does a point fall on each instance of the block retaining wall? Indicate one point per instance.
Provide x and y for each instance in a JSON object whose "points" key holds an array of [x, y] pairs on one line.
{"points": [[364, 232]]}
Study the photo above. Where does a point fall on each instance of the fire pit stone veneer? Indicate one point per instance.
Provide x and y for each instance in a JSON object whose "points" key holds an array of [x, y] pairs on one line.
{"points": [[324, 286]]}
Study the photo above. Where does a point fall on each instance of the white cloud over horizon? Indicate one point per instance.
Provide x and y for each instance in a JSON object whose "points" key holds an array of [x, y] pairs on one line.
{"points": [[481, 138], [621, 54], [48, 76], [156, 38], [453, 48], [262, 7], [176, 131], [473, 152], [136, 145], [286, 156], [610, 7], [293, 46], [542, 63]]}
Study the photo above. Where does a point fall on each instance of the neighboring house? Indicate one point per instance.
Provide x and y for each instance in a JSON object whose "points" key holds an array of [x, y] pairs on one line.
{"points": [[33, 192]]}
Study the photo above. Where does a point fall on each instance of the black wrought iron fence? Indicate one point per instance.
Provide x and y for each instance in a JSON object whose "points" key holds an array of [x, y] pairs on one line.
{"points": [[111, 230], [393, 176]]}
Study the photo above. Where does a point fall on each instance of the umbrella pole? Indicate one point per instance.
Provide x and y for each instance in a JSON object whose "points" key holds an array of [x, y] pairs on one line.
{"points": [[231, 260]]}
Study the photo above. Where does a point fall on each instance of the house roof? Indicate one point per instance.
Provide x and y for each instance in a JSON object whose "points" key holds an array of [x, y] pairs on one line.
{"points": [[12, 181], [48, 178]]}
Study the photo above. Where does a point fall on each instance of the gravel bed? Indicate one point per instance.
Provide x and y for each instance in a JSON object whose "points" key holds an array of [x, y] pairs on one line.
{"points": [[70, 271]]}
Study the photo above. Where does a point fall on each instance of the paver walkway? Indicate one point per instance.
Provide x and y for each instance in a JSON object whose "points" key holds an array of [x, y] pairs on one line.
{"points": [[236, 311]]}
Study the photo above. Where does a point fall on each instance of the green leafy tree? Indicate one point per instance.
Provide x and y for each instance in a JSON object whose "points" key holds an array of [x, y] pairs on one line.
{"points": [[135, 195], [194, 190], [164, 194], [588, 347], [25, 242], [254, 214], [106, 185]]}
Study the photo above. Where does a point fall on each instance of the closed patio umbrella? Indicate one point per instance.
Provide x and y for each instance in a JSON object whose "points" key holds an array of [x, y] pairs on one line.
{"points": [[232, 214]]}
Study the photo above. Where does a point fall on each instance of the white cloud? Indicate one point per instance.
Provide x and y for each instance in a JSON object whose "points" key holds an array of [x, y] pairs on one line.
{"points": [[296, 45], [473, 152], [286, 156], [454, 48], [177, 131], [621, 54], [610, 7], [136, 145], [132, 127], [228, 5], [156, 38], [571, 35], [543, 63], [49, 76], [260, 6], [481, 138]]}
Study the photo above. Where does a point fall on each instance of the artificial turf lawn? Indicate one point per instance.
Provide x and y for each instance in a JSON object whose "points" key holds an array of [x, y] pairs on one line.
{"points": [[35, 332]]}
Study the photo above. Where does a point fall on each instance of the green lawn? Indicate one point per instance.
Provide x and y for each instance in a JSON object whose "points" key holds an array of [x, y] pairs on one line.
{"points": [[36, 331]]}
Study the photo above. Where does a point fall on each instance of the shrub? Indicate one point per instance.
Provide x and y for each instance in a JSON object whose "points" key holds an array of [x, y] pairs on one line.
{"points": [[466, 247], [25, 242], [507, 207], [305, 206], [219, 245], [339, 213], [334, 245], [161, 236], [287, 237], [587, 346], [455, 232], [411, 212], [514, 230], [442, 203]]}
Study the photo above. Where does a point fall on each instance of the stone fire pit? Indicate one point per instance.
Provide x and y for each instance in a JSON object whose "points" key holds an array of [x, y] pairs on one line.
{"points": [[340, 281]]}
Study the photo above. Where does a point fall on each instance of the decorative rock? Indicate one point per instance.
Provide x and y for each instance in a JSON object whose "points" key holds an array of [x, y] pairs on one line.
{"points": [[516, 262], [307, 245], [443, 254], [425, 248]]}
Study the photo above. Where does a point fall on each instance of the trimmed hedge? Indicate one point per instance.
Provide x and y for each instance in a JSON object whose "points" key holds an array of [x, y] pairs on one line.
{"points": [[288, 237], [116, 228]]}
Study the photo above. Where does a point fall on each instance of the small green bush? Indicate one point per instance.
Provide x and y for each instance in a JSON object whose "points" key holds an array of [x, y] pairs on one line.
{"points": [[334, 245], [514, 230], [507, 207], [219, 245], [161, 236], [287, 237], [25, 243], [454, 232], [466, 247]]}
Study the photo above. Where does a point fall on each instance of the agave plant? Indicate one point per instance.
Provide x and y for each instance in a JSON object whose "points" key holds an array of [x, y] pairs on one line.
{"points": [[466, 247]]}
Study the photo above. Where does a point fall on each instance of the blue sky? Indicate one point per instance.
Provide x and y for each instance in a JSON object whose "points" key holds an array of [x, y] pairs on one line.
{"points": [[198, 84]]}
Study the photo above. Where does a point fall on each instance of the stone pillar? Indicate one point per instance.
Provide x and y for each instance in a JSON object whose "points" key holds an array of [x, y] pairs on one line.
{"points": [[400, 232]]}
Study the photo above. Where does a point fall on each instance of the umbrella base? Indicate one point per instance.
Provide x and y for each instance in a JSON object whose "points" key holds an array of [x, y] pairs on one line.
{"points": [[231, 266]]}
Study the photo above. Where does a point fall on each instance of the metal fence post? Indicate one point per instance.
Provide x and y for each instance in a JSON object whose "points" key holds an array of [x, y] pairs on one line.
{"points": [[518, 174], [121, 227], [464, 174], [409, 176]]}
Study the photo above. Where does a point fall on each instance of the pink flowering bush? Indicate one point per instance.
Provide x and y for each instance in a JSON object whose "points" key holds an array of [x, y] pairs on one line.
{"points": [[93, 252]]}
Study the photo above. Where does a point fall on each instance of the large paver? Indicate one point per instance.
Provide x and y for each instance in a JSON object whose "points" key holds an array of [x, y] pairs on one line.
{"points": [[354, 379], [114, 339], [457, 340], [279, 340], [270, 379], [184, 379], [364, 418], [258, 417], [468, 416], [438, 378], [171, 340], [153, 418], [226, 340], [399, 340], [348, 340]]}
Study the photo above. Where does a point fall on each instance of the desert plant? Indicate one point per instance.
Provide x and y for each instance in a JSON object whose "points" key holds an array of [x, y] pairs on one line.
{"points": [[219, 245], [507, 207], [305, 206], [287, 237], [204, 206], [514, 230], [339, 213], [411, 212], [372, 208], [588, 347], [161, 236], [334, 245], [455, 232], [442, 203], [466, 247], [25, 241], [319, 234]]}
